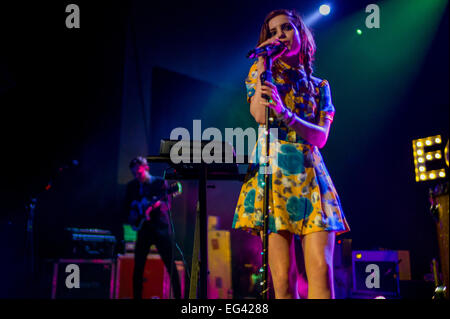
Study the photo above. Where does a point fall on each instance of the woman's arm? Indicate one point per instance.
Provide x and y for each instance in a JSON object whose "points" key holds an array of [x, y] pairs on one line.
{"points": [[316, 134], [258, 109]]}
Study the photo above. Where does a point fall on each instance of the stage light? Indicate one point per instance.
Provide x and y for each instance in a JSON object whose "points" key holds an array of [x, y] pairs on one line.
{"points": [[315, 16], [324, 9], [380, 297], [358, 256], [358, 32], [421, 156]]}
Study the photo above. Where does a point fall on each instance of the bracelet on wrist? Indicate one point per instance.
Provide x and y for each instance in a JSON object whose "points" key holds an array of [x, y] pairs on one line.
{"points": [[289, 117], [281, 115]]}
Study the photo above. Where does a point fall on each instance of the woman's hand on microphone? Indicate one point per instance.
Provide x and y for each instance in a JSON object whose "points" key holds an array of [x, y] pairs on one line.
{"points": [[270, 41], [275, 102], [259, 103]]}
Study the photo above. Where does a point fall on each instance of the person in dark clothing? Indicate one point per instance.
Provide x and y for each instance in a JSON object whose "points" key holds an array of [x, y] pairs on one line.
{"points": [[146, 196]]}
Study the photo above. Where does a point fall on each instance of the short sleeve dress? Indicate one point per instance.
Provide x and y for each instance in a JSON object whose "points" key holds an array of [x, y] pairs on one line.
{"points": [[302, 197]]}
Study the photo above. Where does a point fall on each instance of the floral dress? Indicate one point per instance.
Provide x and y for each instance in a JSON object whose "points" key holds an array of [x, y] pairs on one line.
{"points": [[302, 197]]}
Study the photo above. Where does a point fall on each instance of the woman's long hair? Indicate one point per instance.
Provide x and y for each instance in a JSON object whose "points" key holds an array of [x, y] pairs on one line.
{"points": [[307, 46]]}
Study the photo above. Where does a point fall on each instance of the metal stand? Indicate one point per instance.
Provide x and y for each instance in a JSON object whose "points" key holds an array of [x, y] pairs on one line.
{"points": [[200, 251], [30, 206], [266, 76], [195, 268], [268, 52], [200, 172], [203, 220], [438, 196]]}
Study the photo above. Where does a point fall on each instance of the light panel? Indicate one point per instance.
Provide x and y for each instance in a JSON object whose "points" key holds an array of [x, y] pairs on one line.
{"points": [[421, 157]]}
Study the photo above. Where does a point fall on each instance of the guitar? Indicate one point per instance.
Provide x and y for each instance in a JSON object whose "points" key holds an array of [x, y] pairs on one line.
{"points": [[140, 210]]}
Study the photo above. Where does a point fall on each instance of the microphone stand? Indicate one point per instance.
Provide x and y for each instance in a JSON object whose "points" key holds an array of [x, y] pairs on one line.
{"points": [[30, 207], [266, 76], [268, 52]]}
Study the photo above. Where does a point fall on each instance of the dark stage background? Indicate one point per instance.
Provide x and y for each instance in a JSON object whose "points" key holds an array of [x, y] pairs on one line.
{"points": [[135, 70]]}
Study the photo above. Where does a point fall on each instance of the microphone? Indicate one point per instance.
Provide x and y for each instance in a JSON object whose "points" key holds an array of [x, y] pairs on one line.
{"points": [[268, 49]]}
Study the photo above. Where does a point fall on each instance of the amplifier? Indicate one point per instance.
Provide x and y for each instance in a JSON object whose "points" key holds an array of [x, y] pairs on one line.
{"points": [[156, 283], [88, 243], [376, 273], [83, 279]]}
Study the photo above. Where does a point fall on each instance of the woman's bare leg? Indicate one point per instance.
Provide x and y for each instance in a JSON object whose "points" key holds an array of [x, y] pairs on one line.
{"points": [[279, 263], [318, 249]]}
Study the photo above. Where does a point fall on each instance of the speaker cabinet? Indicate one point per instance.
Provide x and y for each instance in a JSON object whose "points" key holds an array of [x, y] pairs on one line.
{"points": [[83, 279], [377, 272], [156, 283]]}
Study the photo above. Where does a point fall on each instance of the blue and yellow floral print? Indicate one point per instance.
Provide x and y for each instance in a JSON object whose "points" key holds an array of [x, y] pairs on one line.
{"points": [[302, 197]]}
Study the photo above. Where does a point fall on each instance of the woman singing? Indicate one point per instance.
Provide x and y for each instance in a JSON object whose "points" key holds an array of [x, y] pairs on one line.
{"points": [[302, 198]]}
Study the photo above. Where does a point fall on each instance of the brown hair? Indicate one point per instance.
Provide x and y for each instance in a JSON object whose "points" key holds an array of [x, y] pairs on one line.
{"points": [[307, 46]]}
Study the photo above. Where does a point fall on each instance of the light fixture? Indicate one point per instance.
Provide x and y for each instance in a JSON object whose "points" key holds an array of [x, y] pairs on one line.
{"points": [[324, 9], [421, 156]]}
